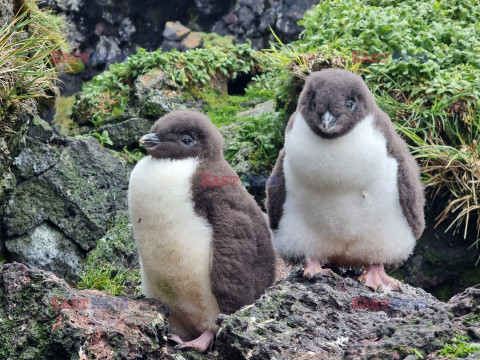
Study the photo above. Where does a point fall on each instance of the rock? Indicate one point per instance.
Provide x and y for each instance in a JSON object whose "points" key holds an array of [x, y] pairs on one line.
{"points": [[47, 248], [180, 37], [466, 303], [262, 108], [168, 45], [211, 7], [155, 95], [127, 133], [36, 322], [34, 160], [252, 20], [7, 12], [70, 190], [192, 41], [174, 31], [317, 319]]}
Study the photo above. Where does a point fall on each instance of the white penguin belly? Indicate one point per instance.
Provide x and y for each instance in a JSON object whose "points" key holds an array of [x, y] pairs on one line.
{"points": [[342, 198], [174, 243]]}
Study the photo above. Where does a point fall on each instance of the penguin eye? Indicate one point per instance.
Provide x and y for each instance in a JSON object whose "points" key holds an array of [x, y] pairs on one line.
{"points": [[350, 105], [187, 141]]}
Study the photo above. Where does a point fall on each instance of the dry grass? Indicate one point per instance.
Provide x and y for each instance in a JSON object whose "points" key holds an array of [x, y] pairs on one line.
{"points": [[26, 45]]}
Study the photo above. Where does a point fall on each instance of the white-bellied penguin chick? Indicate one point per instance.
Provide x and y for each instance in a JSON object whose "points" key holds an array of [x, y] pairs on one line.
{"points": [[204, 244], [349, 191]]}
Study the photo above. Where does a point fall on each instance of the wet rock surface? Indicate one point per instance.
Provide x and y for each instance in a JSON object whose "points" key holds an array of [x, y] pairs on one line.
{"points": [[321, 318], [42, 317], [67, 192], [338, 318], [255, 20]]}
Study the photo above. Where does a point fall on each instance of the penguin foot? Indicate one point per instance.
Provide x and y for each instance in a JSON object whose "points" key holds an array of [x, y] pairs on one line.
{"points": [[314, 267], [202, 343], [376, 279]]}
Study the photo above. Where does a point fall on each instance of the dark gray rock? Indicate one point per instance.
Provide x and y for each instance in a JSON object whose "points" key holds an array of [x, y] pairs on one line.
{"points": [[47, 248], [127, 133], [77, 195], [299, 318], [252, 20], [174, 31], [43, 318], [7, 12], [155, 95], [211, 7]]}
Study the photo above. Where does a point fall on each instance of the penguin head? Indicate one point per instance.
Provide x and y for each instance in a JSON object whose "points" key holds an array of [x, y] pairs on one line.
{"points": [[183, 134], [333, 101]]}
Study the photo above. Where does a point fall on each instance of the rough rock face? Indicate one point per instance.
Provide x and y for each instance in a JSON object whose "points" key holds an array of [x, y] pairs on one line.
{"points": [[68, 191], [322, 318], [252, 19], [302, 319], [180, 37], [37, 322]]}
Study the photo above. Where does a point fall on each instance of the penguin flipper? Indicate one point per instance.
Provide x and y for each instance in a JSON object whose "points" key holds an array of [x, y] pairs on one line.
{"points": [[243, 263], [276, 192], [410, 188]]}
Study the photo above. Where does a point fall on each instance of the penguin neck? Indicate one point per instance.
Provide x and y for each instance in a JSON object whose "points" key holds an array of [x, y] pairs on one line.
{"points": [[340, 162]]}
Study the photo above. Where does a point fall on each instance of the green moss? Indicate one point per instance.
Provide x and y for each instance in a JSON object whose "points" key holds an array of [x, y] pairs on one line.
{"points": [[213, 39], [470, 276], [113, 263], [108, 95], [222, 109], [63, 113], [471, 319], [40, 122], [459, 347], [76, 66], [405, 351]]}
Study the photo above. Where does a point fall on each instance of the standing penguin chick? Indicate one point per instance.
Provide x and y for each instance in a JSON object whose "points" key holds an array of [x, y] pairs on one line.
{"points": [[349, 191], [204, 243]]}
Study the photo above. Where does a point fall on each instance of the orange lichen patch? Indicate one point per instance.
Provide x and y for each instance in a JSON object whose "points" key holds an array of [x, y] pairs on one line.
{"points": [[192, 41]]}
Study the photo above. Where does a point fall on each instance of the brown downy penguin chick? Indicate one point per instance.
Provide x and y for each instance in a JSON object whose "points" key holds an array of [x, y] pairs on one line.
{"points": [[349, 191], [204, 244]]}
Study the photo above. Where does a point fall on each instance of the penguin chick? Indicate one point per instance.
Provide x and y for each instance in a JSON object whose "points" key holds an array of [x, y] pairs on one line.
{"points": [[204, 244], [349, 191]]}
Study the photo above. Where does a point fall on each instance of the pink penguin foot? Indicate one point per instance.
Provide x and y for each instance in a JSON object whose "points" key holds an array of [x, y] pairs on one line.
{"points": [[376, 279], [202, 343], [314, 267]]}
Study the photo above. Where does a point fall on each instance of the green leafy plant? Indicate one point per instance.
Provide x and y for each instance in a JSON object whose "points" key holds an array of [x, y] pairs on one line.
{"points": [[108, 94], [262, 134], [104, 138], [133, 156], [103, 277], [459, 347]]}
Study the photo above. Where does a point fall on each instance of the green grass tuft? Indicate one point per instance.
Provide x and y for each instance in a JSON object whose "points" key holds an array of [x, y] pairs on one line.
{"points": [[103, 277]]}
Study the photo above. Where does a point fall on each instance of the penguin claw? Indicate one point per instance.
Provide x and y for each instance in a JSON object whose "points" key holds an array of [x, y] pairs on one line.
{"points": [[376, 279], [314, 267], [201, 344]]}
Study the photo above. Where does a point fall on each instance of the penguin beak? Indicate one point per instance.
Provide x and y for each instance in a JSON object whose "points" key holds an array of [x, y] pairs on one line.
{"points": [[149, 140], [328, 120]]}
